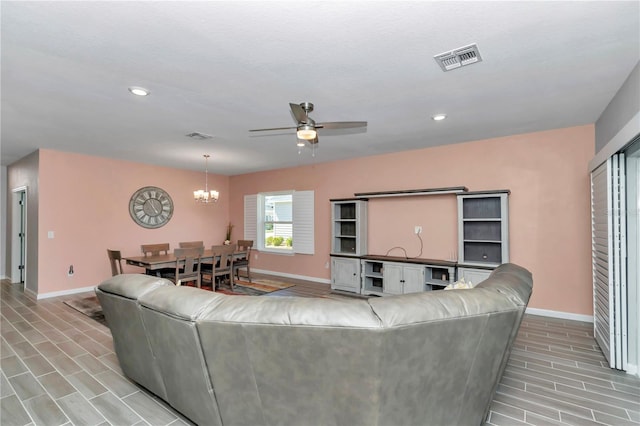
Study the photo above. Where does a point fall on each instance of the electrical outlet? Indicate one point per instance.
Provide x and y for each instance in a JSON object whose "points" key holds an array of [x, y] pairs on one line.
{"points": [[417, 230]]}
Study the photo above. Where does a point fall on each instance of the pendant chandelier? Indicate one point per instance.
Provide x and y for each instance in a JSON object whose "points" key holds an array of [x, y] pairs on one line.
{"points": [[204, 195]]}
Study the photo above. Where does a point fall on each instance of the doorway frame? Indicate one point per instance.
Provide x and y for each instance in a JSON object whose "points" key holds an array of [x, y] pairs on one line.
{"points": [[16, 221]]}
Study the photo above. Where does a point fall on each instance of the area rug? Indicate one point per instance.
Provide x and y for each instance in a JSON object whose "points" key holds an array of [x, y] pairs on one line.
{"points": [[89, 306]]}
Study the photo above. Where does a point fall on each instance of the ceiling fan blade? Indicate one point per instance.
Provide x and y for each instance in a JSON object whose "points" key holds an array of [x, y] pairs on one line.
{"points": [[299, 113], [342, 124], [273, 128]]}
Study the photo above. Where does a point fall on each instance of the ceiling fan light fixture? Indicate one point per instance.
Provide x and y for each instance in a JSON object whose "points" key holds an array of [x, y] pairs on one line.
{"points": [[438, 117], [306, 132], [139, 91]]}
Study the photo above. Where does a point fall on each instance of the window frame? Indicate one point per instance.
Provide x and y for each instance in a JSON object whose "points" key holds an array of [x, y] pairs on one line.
{"points": [[262, 222], [303, 218]]}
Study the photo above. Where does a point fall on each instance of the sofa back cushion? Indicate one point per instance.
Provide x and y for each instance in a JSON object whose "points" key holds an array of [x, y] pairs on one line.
{"points": [[118, 297], [293, 361], [169, 316]]}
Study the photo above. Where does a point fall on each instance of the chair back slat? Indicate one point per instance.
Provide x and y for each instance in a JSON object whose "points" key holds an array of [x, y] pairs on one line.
{"points": [[188, 265]]}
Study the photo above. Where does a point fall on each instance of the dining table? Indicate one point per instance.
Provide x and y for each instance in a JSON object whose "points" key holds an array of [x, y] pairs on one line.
{"points": [[158, 262]]}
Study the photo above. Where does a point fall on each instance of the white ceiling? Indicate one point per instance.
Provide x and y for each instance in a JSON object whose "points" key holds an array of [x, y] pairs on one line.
{"points": [[223, 68]]}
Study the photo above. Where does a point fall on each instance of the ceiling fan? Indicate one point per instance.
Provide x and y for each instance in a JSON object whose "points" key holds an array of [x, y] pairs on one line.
{"points": [[306, 127]]}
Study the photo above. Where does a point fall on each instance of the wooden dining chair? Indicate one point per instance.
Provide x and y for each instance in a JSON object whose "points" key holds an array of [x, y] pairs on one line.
{"points": [[241, 262], [115, 258], [187, 265], [157, 250], [222, 265], [191, 244]]}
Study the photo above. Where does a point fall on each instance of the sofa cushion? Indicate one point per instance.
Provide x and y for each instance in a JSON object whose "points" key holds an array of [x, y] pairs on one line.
{"points": [[511, 280], [180, 302], [132, 286], [439, 305], [292, 311]]}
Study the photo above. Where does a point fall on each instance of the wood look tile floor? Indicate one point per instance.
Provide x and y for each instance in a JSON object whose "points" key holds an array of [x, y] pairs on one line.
{"points": [[58, 367]]}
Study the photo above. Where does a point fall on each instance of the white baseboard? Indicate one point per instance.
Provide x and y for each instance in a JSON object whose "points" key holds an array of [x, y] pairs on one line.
{"points": [[5, 277], [559, 314], [297, 277], [632, 369], [30, 294], [64, 292]]}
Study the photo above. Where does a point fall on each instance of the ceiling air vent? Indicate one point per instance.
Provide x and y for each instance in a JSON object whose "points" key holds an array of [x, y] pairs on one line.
{"points": [[457, 58], [198, 135]]}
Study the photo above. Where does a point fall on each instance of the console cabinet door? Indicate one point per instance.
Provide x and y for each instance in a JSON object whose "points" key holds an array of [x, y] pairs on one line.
{"points": [[413, 277], [392, 278], [476, 276], [345, 274], [402, 279]]}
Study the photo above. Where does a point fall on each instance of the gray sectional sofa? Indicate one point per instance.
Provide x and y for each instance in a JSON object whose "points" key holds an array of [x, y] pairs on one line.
{"points": [[431, 358]]}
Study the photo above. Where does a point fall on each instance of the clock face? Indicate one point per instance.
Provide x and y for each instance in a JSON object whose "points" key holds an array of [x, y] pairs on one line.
{"points": [[151, 207]]}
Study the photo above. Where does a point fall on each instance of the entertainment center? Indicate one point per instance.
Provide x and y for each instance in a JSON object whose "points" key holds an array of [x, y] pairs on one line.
{"points": [[483, 244]]}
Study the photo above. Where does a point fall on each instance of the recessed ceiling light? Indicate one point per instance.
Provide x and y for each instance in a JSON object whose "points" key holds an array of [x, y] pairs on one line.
{"points": [[438, 117], [139, 91]]}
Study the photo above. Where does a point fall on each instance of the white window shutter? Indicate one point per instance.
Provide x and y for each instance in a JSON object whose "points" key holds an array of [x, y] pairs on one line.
{"points": [[251, 217], [303, 222]]}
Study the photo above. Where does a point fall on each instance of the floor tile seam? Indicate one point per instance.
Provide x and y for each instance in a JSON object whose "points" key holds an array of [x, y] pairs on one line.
{"points": [[509, 417], [24, 408], [46, 392], [595, 399], [595, 356], [602, 375], [547, 398], [106, 364], [106, 386], [564, 356], [157, 405], [613, 378], [636, 397], [553, 334], [573, 415], [93, 342], [586, 342], [527, 401], [569, 345], [531, 374], [587, 402], [545, 357], [637, 389], [531, 413], [97, 407]]}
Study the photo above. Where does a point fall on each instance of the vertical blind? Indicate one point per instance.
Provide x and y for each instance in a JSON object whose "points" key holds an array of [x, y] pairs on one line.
{"points": [[608, 236]]}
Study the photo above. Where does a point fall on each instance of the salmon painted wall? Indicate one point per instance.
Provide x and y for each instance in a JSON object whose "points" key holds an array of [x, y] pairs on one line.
{"points": [[84, 200], [549, 206]]}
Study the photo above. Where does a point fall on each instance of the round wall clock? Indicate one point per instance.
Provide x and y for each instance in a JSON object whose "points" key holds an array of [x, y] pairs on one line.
{"points": [[151, 207]]}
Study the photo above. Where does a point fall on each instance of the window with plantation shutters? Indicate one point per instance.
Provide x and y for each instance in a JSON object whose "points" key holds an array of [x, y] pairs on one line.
{"points": [[608, 229], [281, 222]]}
